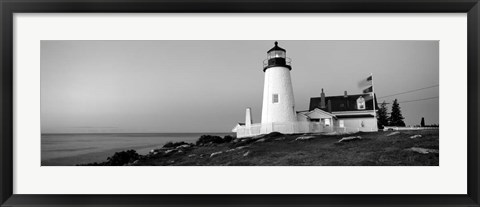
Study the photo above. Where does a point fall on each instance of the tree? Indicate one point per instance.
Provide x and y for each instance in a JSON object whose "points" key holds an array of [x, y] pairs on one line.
{"points": [[396, 118], [382, 115], [422, 123]]}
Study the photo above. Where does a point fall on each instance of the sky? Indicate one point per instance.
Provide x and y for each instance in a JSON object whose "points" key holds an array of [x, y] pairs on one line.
{"points": [[205, 86]]}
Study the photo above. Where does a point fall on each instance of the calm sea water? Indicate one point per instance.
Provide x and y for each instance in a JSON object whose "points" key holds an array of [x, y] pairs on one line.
{"points": [[71, 149]]}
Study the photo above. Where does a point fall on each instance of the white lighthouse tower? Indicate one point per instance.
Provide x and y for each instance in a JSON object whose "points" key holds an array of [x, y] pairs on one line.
{"points": [[278, 110]]}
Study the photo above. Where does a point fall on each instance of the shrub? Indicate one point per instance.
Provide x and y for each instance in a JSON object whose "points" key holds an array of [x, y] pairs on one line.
{"points": [[123, 157], [205, 139], [228, 138], [174, 144], [273, 135]]}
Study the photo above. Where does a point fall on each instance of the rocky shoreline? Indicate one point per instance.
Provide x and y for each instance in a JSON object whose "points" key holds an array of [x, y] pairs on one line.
{"points": [[416, 148]]}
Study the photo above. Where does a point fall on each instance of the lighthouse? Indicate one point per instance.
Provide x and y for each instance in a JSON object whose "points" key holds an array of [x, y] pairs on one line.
{"points": [[278, 103]]}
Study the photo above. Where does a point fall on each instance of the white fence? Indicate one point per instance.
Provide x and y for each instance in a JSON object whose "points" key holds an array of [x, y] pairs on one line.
{"points": [[388, 128], [289, 128]]}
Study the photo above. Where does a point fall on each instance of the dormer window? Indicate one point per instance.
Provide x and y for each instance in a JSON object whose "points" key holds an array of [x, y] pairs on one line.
{"points": [[361, 103]]}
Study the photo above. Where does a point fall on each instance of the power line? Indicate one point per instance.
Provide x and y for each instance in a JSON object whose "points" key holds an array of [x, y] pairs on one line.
{"points": [[423, 99], [409, 91]]}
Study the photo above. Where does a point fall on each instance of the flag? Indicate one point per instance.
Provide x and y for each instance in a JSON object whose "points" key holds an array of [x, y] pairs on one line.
{"points": [[368, 97], [368, 90], [368, 83], [365, 82]]}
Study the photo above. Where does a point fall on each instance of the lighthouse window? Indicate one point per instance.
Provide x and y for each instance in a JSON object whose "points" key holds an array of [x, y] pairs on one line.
{"points": [[275, 98], [276, 54]]}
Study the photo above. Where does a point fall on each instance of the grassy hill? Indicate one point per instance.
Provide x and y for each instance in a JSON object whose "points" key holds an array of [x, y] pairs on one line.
{"points": [[368, 149]]}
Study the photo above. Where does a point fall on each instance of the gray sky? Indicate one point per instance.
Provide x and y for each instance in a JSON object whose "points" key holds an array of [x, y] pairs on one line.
{"points": [[205, 86]]}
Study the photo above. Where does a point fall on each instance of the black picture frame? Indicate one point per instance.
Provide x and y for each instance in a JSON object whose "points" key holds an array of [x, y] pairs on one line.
{"points": [[9, 7]]}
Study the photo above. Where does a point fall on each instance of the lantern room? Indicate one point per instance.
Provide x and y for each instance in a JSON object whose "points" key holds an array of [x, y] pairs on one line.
{"points": [[276, 57]]}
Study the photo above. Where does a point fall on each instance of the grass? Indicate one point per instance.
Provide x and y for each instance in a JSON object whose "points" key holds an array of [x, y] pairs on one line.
{"points": [[374, 149]]}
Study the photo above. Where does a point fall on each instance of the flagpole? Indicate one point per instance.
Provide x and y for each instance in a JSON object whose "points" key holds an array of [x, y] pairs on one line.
{"points": [[373, 95]]}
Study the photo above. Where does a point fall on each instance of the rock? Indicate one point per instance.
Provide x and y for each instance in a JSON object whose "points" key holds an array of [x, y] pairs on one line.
{"points": [[416, 136], [235, 149], [183, 146], [192, 155], [180, 151], [393, 133], [155, 151], [246, 153], [338, 133], [261, 140], [168, 151], [216, 153], [305, 137], [259, 136], [422, 150], [347, 139], [281, 138]]}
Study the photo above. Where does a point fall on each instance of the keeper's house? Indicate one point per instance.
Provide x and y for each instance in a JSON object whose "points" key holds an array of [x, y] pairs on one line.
{"points": [[347, 112]]}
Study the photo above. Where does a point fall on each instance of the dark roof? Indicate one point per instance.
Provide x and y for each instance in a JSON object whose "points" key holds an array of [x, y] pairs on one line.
{"points": [[276, 48], [342, 103]]}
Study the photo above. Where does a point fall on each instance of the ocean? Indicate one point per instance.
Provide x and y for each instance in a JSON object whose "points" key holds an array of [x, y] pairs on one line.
{"points": [[72, 149]]}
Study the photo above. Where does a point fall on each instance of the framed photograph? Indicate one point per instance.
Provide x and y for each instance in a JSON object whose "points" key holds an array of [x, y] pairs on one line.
{"points": [[236, 103]]}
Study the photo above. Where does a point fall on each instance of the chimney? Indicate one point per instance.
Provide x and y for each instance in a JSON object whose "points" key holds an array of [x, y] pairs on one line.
{"points": [[329, 106], [322, 100], [345, 95], [248, 117]]}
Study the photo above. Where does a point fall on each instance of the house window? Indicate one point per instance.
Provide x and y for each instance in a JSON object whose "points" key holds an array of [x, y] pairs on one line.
{"points": [[327, 122], [340, 123], [275, 98]]}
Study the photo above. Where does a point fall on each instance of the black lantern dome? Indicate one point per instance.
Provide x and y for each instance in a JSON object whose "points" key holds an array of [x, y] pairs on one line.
{"points": [[276, 56]]}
